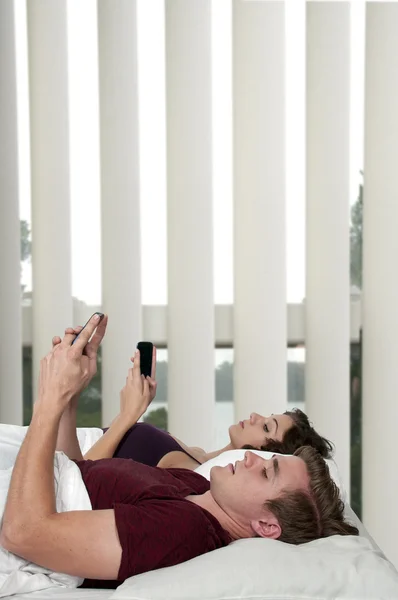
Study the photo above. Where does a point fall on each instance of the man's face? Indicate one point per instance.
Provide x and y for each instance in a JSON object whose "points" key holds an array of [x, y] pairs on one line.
{"points": [[242, 489]]}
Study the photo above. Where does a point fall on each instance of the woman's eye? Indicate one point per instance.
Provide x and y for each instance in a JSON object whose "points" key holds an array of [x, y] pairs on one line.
{"points": [[266, 428]]}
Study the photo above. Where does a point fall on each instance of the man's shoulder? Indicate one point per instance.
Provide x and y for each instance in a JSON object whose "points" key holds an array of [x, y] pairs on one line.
{"points": [[198, 483], [186, 519], [161, 532]]}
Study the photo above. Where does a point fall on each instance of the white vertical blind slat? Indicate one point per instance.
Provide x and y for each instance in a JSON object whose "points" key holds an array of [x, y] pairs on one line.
{"points": [[380, 284], [49, 132], [259, 208], [327, 329], [190, 335], [120, 208], [10, 287]]}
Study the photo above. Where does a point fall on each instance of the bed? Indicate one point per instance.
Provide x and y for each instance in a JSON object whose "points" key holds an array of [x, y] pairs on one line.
{"points": [[66, 594], [336, 568]]}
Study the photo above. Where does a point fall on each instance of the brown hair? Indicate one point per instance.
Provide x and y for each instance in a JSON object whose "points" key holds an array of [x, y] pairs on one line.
{"points": [[306, 515], [302, 433]]}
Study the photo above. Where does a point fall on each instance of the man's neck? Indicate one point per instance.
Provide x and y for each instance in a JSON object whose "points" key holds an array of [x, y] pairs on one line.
{"points": [[235, 529]]}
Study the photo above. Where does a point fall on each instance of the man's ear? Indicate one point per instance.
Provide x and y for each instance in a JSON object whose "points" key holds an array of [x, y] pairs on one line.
{"points": [[267, 527]]}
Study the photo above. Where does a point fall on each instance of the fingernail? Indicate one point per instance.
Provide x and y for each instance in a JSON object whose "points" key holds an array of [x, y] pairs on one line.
{"points": [[97, 317]]}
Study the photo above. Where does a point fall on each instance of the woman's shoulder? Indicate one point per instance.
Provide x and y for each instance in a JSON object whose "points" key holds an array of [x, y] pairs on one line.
{"points": [[143, 426]]}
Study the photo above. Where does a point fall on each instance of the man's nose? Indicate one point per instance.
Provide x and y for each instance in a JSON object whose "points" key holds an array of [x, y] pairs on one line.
{"points": [[251, 459]]}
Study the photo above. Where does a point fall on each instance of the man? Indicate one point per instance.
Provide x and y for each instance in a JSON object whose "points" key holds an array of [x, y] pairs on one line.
{"points": [[143, 517]]}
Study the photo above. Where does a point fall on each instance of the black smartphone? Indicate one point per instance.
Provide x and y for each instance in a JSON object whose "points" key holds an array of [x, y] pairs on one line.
{"points": [[101, 315], [146, 353]]}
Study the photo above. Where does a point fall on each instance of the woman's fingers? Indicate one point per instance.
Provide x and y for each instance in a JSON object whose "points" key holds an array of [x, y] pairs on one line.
{"points": [[137, 366], [153, 371], [152, 383], [146, 390]]}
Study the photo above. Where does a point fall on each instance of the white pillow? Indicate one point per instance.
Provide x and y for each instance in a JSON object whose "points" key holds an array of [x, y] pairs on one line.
{"points": [[87, 437], [336, 568]]}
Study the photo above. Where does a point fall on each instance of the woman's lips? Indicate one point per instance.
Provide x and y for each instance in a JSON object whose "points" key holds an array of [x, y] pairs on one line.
{"points": [[241, 423]]}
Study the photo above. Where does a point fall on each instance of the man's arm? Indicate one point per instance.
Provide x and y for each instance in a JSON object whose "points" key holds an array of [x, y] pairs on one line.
{"points": [[81, 543], [67, 437]]}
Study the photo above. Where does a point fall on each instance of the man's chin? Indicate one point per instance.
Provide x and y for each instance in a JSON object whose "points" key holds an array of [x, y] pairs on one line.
{"points": [[214, 470]]}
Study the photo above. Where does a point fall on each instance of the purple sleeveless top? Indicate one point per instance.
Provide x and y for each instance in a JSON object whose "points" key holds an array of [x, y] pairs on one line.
{"points": [[147, 444]]}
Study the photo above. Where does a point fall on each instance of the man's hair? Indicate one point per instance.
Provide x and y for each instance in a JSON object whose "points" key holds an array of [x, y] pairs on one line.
{"points": [[306, 515], [302, 433]]}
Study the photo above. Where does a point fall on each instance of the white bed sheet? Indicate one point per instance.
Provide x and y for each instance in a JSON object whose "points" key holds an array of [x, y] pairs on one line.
{"points": [[66, 594]]}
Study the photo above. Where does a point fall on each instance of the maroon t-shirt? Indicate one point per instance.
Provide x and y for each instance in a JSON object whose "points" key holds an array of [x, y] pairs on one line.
{"points": [[157, 526]]}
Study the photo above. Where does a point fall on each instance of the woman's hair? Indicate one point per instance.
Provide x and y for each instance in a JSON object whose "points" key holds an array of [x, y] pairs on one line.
{"points": [[318, 512], [300, 434]]}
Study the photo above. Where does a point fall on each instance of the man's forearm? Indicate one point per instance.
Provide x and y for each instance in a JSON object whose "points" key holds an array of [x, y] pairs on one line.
{"points": [[31, 495], [67, 438]]}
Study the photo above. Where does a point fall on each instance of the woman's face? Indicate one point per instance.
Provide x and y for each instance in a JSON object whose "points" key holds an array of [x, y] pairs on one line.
{"points": [[256, 430]]}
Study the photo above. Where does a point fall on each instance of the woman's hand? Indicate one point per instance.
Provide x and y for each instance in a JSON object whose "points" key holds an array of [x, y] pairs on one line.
{"points": [[135, 397], [153, 384], [68, 369]]}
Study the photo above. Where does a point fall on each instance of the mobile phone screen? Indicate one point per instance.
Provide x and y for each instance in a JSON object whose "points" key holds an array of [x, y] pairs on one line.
{"points": [[146, 353]]}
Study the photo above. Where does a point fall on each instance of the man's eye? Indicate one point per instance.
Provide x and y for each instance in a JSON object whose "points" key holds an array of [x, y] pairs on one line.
{"points": [[266, 428], [265, 473]]}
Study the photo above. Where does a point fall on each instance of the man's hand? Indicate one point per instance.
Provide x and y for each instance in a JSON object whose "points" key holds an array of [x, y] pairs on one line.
{"points": [[55, 342], [68, 369], [135, 397]]}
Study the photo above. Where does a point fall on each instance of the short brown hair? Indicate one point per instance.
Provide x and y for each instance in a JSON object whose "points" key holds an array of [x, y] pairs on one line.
{"points": [[302, 433], [306, 515]]}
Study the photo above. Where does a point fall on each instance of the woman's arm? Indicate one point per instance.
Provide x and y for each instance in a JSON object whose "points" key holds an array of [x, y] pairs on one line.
{"points": [[198, 453], [177, 460], [106, 446], [133, 405]]}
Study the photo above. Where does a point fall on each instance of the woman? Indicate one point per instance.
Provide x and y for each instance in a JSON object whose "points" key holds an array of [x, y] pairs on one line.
{"points": [[283, 433], [142, 442]]}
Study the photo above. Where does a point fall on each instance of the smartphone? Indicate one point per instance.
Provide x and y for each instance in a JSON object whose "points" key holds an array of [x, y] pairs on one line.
{"points": [[146, 353], [101, 315]]}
